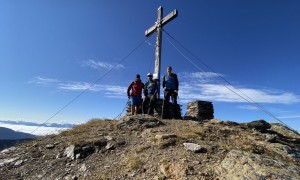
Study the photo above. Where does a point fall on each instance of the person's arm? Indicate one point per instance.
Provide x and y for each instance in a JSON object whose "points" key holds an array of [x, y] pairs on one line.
{"points": [[156, 88], [128, 89], [145, 89], [164, 82], [176, 82]]}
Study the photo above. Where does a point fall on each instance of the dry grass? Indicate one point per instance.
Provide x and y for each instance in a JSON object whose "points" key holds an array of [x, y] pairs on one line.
{"points": [[133, 163], [164, 143], [91, 126], [88, 132], [142, 148]]}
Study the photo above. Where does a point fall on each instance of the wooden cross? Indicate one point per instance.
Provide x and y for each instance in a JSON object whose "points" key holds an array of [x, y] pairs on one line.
{"points": [[158, 28]]}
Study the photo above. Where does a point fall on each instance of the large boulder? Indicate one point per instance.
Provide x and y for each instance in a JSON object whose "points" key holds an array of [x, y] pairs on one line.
{"points": [[244, 165]]}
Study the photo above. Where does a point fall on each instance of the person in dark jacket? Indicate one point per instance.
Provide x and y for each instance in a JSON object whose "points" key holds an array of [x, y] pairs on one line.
{"points": [[134, 92], [150, 92], [170, 85]]}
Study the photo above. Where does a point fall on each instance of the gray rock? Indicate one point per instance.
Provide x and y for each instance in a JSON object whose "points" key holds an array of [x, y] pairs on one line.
{"points": [[281, 129], [3, 162], [285, 151], [194, 148], [110, 146], [83, 168], [109, 138], [8, 150], [244, 165], [18, 163], [69, 152], [59, 155], [270, 137], [165, 136], [78, 156], [50, 146]]}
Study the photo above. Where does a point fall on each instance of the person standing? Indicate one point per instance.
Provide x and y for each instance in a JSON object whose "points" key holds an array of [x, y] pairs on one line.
{"points": [[150, 92], [170, 85], [134, 92]]}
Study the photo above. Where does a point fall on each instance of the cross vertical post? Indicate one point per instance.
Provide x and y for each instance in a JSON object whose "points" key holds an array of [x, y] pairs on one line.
{"points": [[158, 28]]}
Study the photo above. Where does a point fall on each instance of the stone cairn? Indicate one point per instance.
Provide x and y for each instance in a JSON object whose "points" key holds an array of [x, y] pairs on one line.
{"points": [[158, 110], [196, 110], [200, 111]]}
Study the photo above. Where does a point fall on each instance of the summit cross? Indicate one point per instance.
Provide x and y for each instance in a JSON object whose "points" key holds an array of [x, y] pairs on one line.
{"points": [[158, 28]]}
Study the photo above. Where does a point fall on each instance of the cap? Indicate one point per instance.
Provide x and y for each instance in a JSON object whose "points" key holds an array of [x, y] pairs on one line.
{"points": [[138, 76], [149, 74]]}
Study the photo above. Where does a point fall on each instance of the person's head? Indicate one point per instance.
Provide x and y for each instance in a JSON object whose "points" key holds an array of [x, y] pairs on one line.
{"points": [[150, 76], [137, 77], [169, 69]]}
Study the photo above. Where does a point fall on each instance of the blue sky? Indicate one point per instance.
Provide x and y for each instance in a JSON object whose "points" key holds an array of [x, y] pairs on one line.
{"points": [[51, 51]]}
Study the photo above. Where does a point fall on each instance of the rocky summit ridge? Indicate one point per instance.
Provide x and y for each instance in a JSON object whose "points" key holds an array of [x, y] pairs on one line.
{"points": [[144, 147]]}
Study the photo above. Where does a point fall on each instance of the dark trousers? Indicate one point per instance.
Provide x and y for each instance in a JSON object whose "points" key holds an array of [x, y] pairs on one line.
{"points": [[167, 95], [148, 104]]}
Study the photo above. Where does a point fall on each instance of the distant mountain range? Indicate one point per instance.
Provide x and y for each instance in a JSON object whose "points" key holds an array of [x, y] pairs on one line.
{"points": [[26, 123]]}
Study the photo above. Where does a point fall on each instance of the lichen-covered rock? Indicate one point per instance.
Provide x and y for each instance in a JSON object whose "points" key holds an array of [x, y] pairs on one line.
{"points": [[244, 165], [196, 148], [279, 128]]}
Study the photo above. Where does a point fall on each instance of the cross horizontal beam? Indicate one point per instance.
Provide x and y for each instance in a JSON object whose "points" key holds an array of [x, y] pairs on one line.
{"points": [[164, 21]]}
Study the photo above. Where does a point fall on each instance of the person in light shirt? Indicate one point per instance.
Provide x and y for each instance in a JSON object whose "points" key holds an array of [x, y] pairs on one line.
{"points": [[150, 93]]}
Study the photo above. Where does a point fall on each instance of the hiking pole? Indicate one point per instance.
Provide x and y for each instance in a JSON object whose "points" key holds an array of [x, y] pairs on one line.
{"points": [[122, 110]]}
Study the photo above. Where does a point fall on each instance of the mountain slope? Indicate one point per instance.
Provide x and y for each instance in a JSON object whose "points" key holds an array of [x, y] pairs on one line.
{"points": [[142, 147], [9, 134], [9, 137]]}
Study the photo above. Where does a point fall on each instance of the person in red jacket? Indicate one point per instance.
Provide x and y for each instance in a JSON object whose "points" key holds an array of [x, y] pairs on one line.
{"points": [[135, 92]]}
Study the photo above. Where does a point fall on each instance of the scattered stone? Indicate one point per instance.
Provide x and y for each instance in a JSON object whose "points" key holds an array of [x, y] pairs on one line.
{"points": [[78, 156], [8, 150], [18, 163], [109, 138], [35, 145], [110, 146], [83, 168], [194, 148], [50, 146], [59, 155], [165, 136], [7, 161]]}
